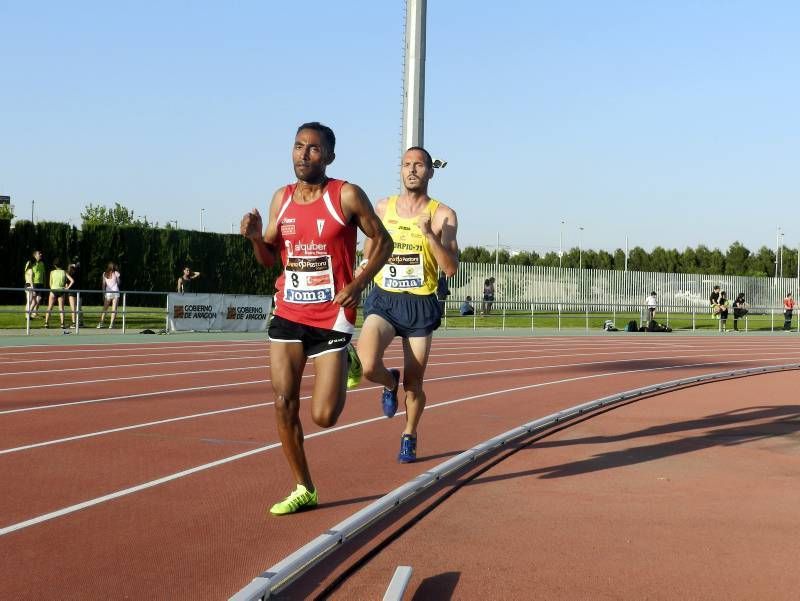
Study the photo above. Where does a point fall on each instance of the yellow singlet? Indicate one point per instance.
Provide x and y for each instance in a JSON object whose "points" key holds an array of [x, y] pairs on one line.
{"points": [[412, 267]]}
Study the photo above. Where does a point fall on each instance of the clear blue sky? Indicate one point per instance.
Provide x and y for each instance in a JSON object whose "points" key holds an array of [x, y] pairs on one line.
{"points": [[675, 123]]}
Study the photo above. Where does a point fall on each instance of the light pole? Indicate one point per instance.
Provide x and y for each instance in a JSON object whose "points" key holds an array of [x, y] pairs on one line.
{"points": [[782, 235], [202, 229], [626, 253], [580, 247], [777, 251], [33, 202], [561, 243]]}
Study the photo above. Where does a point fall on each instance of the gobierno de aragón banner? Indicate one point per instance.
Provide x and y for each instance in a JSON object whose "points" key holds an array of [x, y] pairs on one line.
{"points": [[218, 312]]}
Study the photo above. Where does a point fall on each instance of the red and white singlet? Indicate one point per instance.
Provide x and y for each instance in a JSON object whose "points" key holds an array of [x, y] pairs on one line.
{"points": [[318, 250]]}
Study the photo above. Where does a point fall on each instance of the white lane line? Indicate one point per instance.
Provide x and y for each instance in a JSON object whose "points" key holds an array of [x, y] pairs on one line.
{"points": [[171, 477], [125, 356], [132, 427], [92, 346], [120, 379], [131, 396], [40, 372]]}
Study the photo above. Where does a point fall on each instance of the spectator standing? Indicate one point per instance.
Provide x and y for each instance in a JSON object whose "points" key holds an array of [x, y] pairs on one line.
{"points": [[739, 310], [110, 287], [652, 305], [723, 304], [60, 281], [788, 308], [185, 283], [74, 271], [34, 282], [488, 296]]}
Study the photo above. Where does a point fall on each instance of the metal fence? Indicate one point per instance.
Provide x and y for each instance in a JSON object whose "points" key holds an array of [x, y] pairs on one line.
{"points": [[85, 308], [522, 286], [588, 316]]}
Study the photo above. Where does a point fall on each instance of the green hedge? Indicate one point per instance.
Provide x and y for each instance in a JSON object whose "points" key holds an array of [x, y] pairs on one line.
{"points": [[149, 259]]}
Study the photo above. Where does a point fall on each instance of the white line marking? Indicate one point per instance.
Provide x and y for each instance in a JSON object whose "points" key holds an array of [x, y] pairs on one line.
{"points": [[131, 396], [39, 372], [120, 379]]}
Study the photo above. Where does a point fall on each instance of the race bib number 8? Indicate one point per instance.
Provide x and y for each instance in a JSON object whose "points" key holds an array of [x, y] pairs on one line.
{"points": [[403, 272], [308, 280]]}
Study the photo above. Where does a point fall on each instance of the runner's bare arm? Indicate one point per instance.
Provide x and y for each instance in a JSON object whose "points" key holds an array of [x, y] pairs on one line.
{"points": [[441, 234], [380, 211], [263, 244], [357, 208]]}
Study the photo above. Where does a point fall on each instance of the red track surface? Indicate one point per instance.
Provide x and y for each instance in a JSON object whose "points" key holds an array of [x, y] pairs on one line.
{"points": [[145, 533]]}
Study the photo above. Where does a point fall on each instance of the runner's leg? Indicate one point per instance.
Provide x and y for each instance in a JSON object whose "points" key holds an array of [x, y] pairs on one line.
{"points": [[376, 336], [330, 389], [287, 361], [415, 359]]}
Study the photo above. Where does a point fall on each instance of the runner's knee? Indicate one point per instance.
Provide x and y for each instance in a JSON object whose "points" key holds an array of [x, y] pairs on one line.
{"points": [[325, 417], [371, 367], [286, 409]]}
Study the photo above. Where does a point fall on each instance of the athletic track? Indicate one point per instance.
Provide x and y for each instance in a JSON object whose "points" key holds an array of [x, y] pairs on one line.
{"points": [[144, 471]]}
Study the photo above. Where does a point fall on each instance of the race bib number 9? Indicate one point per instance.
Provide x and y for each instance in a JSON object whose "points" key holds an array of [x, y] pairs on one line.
{"points": [[403, 272], [308, 280]]}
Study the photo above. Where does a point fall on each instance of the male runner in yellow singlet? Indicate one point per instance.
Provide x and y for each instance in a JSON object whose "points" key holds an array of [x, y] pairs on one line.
{"points": [[403, 302]]}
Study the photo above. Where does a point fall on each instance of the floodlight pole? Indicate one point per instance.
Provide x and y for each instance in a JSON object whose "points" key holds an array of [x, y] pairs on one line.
{"points": [[626, 253], [414, 76], [497, 257]]}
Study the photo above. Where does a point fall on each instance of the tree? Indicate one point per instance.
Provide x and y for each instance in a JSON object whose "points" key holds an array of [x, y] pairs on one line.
{"points": [[762, 263], [736, 259], [638, 259], [6, 212], [118, 215]]}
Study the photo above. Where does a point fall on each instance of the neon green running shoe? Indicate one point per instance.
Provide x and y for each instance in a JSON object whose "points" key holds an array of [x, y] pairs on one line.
{"points": [[298, 500], [354, 371]]}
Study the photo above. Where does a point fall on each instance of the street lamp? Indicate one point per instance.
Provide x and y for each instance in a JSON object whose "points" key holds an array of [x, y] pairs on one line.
{"points": [[202, 229], [561, 243], [580, 247]]}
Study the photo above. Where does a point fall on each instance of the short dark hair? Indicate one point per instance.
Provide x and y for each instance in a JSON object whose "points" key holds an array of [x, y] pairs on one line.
{"points": [[327, 133], [428, 158], [57, 262]]}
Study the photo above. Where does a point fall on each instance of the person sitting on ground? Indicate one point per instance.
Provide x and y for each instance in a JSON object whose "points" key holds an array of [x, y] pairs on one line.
{"points": [[466, 307], [185, 281]]}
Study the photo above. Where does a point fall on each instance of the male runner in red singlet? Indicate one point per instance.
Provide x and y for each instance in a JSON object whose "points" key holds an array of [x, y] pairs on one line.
{"points": [[312, 227], [403, 302]]}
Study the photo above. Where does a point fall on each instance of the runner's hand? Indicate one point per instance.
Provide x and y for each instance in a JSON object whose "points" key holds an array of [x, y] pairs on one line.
{"points": [[349, 296], [251, 226], [424, 223]]}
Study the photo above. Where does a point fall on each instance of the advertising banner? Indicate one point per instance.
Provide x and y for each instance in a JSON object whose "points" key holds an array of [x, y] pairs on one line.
{"points": [[219, 312]]}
